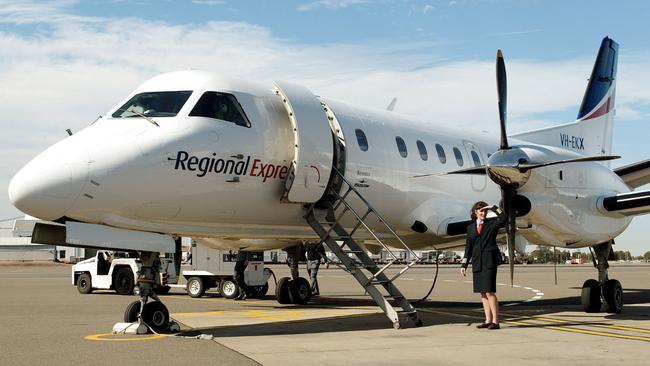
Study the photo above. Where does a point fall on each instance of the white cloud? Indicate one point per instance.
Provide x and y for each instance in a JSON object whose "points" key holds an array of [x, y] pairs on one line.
{"points": [[208, 2], [332, 4], [427, 8], [28, 12]]}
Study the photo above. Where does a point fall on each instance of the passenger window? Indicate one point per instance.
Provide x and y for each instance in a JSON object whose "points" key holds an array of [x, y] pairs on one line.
{"points": [[401, 146], [441, 154], [361, 140], [477, 160], [220, 106], [459, 156], [423, 150]]}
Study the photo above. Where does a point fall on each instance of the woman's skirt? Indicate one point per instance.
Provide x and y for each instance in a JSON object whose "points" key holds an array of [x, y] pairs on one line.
{"points": [[485, 280]]}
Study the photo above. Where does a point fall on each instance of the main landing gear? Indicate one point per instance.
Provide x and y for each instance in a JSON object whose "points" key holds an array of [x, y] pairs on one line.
{"points": [[294, 289], [605, 290], [149, 314]]}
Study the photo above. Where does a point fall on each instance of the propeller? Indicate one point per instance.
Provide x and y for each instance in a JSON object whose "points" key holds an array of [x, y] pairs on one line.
{"points": [[502, 95], [509, 189]]}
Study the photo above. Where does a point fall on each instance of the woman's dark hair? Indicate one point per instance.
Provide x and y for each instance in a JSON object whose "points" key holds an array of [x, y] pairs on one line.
{"points": [[477, 205]]}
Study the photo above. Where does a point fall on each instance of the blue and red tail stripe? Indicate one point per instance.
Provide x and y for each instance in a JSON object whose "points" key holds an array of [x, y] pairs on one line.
{"points": [[599, 96]]}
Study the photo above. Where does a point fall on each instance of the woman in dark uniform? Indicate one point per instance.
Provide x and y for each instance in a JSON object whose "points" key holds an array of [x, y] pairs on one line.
{"points": [[481, 248]]}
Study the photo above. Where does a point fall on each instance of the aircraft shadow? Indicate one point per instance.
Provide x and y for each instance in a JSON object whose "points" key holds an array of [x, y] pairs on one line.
{"points": [[431, 313]]}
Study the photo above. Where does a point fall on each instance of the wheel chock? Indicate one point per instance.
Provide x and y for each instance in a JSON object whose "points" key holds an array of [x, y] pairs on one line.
{"points": [[130, 328]]}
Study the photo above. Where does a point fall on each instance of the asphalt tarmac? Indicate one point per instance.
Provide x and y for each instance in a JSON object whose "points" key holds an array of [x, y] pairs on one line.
{"points": [[45, 321]]}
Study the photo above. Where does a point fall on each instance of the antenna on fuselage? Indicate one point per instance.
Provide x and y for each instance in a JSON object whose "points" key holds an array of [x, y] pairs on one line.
{"points": [[391, 105]]}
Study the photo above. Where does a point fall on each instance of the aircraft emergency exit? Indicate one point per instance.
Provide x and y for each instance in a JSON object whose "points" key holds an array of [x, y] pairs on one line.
{"points": [[236, 165]]}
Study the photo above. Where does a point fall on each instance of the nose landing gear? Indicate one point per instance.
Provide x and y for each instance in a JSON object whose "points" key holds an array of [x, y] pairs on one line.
{"points": [[150, 315]]}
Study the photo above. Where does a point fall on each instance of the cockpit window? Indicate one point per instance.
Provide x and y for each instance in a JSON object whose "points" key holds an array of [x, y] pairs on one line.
{"points": [[154, 104], [220, 106]]}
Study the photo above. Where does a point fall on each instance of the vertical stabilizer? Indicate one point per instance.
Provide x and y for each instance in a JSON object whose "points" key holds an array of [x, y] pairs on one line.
{"points": [[599, 96], [591, 133]]}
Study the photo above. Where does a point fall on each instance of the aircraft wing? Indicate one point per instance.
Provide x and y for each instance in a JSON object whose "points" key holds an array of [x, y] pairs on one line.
{"points": [[636, 174]]}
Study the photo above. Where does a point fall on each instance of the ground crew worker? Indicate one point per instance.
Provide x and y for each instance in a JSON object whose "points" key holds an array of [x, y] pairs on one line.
{"points": [[315, 253], [240, 266]]}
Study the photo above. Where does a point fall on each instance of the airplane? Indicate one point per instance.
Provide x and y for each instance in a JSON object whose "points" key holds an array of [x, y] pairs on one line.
{"points": [[238, 165]]}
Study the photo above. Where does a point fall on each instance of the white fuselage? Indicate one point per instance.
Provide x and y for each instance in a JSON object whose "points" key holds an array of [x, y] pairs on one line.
{"points": [[223, 182]]}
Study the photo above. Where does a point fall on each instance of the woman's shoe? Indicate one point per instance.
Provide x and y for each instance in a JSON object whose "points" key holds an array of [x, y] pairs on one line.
{"points": [[484, 325], [494, 326]]}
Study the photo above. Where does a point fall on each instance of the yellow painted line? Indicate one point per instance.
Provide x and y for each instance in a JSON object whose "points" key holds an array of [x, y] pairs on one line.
{"points": [[604, 334], [273, 315], [449, 313], [214, 299], [216, 312], [608, 326], [581, 331], [101, 337], [564, 329]]}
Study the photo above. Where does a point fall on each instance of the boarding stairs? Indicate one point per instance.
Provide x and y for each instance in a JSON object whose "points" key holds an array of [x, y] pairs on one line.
{"points": [[326, 218]]}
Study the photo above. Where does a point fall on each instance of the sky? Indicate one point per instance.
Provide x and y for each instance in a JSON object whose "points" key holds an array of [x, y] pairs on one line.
{"points": [[64, 63]]}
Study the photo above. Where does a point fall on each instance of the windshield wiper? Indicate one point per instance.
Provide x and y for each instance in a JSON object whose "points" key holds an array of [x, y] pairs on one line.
{"points": [[139, 114]]}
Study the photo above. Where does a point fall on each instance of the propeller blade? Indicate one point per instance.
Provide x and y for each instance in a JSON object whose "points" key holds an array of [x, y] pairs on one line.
{"points": [[526, 167], [502, 92], [508, 196], [479, 170]]}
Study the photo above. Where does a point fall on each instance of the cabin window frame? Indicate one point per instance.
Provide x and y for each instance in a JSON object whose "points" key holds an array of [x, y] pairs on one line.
{"points": [[475, 158], [403, 150], [422, 149], [459, 156], [442, 155], [361, 135]]}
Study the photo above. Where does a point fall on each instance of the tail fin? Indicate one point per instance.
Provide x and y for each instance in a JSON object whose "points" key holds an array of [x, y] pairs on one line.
{"points": [[591, 133], [599, 96]]}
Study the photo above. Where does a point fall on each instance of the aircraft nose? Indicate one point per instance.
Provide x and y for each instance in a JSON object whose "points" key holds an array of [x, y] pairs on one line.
{"points": [[49, 184]]}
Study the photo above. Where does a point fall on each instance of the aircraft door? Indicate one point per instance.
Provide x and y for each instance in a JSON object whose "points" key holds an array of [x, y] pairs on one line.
{"points": [[479, 182], [313, 146]]}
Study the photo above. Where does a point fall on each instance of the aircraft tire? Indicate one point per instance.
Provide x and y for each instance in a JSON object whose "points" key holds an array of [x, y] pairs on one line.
{"points": [[123, 281], [156, 316], [131, 312], [590, 296], [282, 290], [195, 287], [613, 296], [299, 291], [229, 288], [84, 283]]}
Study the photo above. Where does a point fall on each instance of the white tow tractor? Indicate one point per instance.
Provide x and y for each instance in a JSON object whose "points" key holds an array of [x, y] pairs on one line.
{"points": [[213, 268], [116, 270]]}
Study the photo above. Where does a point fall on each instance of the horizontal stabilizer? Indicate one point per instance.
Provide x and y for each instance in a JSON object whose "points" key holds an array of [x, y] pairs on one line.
{"points": [[626, 204], [636, 174]]}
